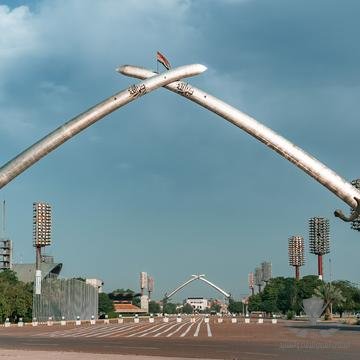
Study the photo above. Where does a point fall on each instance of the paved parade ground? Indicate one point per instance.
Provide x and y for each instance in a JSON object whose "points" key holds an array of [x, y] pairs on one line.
{"points": [[188, 339]]}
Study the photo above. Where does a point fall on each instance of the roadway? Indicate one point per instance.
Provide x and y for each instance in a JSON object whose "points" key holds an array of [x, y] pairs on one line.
{"points": [[192, 340]]}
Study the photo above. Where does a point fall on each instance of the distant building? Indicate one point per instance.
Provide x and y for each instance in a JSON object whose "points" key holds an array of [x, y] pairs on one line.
{"points": [[96, 283], [5, 254], [126, 307], [198, 303]]}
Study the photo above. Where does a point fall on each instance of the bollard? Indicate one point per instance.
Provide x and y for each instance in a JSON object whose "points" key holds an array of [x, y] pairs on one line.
{"points": [[62, 321], [165, 319], [151, 318], [136, 319], [220, 320], [274, 320], [260, 319], [20, 323], [234, 320], [206, 320], [120, 319], [178, 319], [192, 320], [7, 322], [106, 320], [34, 322], [50, 321], [78, 321], [247, 320]]}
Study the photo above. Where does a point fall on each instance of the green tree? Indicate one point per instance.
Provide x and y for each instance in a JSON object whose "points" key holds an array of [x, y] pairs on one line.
{"points": [[170, 308], [187, 309], [351, 293], [235, 307], [154, 307], [15, 297], [255, 303], [106, 305], [215, 307], [331, 295]]}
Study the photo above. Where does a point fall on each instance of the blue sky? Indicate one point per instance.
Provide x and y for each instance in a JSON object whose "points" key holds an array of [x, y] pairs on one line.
{"points": [[163, 185]]}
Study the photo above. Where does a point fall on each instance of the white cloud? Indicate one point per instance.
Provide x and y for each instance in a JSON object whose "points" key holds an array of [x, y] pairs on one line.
{"points": [[17, 33]]}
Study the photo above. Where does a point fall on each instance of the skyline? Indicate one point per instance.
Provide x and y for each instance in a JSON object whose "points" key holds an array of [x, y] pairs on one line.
{"points": [[162, 175]]}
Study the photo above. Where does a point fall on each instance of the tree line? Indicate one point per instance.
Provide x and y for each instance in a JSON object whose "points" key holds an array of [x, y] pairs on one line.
{"points": [[285, 295]]}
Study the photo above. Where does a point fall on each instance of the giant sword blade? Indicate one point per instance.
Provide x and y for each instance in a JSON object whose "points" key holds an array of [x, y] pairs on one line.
{"points": [[66, 131], [310, 165]]}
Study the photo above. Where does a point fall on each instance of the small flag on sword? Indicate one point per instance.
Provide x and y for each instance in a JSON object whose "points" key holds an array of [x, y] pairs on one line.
{"points": [[163, 60]]}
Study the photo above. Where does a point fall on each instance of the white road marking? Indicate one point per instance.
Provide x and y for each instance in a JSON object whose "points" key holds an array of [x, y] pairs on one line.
{"points": [[208, 330], [187, 330], [87, 331], [122, 332], [154, 330], [174, 332], [166, 330], [156, 327], [118, 330], [198, 328]]}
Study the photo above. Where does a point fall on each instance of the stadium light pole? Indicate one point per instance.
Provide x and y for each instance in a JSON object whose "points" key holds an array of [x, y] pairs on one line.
{"points": [[296, 254], [319, 240], [41, 236]]}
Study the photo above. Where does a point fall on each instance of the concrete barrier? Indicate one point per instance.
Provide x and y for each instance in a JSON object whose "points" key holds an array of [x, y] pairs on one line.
{"points": [[220, 320], [34, 322], [206, 320], [234, 320], [178, 319], [165, 319], [247, 320], [260, 321], [192, 320], [50, 321], [151, 319], [20, 323], [274, 321]]}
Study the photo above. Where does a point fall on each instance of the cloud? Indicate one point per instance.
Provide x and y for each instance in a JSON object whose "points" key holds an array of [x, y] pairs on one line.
{"points": [[17, 34]]}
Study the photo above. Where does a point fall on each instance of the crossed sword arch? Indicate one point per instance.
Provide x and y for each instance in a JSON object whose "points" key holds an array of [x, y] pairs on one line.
{"points": [[171, 80]]}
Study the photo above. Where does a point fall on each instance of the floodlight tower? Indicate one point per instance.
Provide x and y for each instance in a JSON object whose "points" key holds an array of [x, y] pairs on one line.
{"points": [[355, 225], [41, 236], [258, 278], [251, 282], [296, 254], [266, 271], [319, 240], [41, 228]]}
